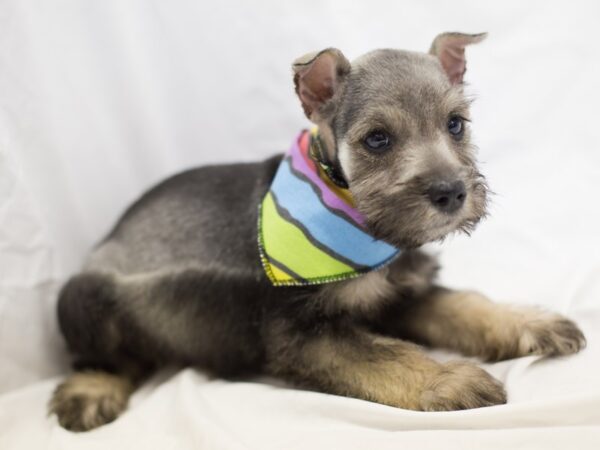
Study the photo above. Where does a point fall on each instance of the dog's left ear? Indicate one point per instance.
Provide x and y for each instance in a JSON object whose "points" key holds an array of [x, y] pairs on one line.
{"points": [[318, 77], [450, 50]]}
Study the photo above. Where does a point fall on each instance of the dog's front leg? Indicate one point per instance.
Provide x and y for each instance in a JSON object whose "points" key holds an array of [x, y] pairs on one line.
{"points": [[347, 360], [473, 325]]}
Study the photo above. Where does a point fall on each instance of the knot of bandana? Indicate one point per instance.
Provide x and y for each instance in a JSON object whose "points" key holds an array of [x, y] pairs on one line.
{"points": [[309, 231]]}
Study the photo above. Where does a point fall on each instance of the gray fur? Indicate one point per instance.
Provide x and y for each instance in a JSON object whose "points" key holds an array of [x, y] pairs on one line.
{"points": [[415, 114], [179, 280]]}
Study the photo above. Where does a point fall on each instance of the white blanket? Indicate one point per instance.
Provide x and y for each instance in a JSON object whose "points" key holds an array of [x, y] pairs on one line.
{"points": [[98, 100]]}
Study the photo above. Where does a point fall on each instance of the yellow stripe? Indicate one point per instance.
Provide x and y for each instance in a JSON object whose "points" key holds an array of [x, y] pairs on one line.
{"points": [[279, 274], [286, 243]]}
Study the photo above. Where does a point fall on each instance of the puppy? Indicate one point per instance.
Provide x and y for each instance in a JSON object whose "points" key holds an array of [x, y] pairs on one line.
{"points": [[307, 267]]}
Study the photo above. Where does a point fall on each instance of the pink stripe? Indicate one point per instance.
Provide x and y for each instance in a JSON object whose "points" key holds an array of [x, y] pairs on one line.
{"points": [[329, 197]]}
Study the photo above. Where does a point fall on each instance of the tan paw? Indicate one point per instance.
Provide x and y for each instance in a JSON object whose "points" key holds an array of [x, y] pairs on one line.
{"points": [[550, 334], [461, 385], [88, 400]]}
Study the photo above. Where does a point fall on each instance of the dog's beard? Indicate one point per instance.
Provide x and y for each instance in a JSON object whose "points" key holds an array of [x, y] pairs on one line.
{"points": [[407, 219]]}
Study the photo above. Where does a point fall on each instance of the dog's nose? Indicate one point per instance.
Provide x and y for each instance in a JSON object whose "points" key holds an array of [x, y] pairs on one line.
{"points": [[447, 196]]}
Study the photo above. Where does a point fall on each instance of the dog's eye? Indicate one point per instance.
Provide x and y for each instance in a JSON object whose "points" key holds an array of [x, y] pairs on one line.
{"points": [[377, 141], [455, 126]]}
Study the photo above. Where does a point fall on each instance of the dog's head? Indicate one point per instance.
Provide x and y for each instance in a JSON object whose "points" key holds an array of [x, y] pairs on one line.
{"points": [[397, 125]]}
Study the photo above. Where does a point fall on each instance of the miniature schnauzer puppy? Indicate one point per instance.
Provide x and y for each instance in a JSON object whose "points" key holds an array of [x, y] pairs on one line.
{"points": [[179, 279]]}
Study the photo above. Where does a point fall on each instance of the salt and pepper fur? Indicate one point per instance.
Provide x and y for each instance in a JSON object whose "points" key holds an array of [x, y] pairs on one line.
{"points": [[179, 281]]}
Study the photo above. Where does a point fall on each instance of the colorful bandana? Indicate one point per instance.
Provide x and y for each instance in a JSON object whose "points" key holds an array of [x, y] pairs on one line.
{"points": [[309, 231]]}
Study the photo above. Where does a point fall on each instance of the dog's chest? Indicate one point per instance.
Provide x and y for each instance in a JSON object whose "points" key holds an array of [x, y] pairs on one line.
{"points": [[362, 295]]}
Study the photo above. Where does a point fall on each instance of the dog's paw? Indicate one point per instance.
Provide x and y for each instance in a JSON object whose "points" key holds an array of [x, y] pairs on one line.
{"points": [[88, 400], [461, 385], [549, 334]]}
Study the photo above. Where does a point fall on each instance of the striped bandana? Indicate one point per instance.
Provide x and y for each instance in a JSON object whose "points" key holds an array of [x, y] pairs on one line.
{"points": [[309, 231]]}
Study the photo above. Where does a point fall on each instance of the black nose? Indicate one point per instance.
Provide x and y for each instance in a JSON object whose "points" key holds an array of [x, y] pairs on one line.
{"points": [[447, 196]]}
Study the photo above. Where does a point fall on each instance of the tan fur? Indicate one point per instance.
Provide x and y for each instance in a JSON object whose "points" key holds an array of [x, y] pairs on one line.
{"points": [[470, 323], [362, 295], [393, 372], [87, 400], [461, 385]]}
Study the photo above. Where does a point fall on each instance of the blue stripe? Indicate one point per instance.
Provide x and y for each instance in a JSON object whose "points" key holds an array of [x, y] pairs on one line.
{"points": [[341, 236]]}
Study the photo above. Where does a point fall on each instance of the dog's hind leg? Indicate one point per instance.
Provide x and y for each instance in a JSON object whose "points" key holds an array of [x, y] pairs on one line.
{"points": [[89, 399], [473, 325], [105, 377], [120, 327]]}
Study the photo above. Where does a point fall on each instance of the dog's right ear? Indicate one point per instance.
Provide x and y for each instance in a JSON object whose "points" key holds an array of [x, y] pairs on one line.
{"points": [[318, 77]]}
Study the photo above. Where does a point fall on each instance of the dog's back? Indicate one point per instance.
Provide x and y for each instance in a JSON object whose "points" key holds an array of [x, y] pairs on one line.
{"points": [[200, 218]]}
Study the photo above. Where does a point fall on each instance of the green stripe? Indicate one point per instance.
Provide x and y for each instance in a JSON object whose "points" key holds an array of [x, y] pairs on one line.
{"points": [[298, 254], [283, 269], [285, 215]]}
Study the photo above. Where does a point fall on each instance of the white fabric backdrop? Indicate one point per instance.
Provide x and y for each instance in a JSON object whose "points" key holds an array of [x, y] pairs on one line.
{"points": [[99, 100]]}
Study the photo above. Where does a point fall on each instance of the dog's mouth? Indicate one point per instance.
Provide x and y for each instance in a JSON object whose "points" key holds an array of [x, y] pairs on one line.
{"points": [[449, 226], [459, 208], [412, 220]]}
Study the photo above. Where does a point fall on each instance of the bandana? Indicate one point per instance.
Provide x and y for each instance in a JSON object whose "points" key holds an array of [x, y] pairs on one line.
{"points": [[309, 231]]}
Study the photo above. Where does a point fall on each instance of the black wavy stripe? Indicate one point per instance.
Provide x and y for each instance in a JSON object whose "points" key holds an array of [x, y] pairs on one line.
{"points": [[284, 213], [319, 194], [285, 269]]}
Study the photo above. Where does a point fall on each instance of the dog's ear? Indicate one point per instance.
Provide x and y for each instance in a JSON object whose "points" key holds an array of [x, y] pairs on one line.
{"points": [[450, 50], [318, 76]]}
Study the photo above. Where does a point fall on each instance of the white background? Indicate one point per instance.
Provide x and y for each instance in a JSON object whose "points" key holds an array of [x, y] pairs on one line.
{"points": [[99, 100]]}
